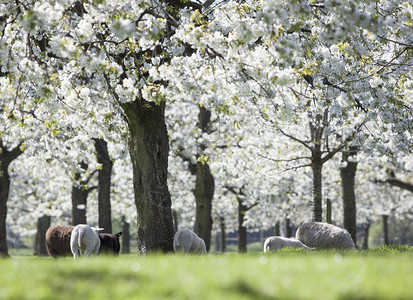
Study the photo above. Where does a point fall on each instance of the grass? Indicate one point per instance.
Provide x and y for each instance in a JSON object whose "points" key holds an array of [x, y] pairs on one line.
{"points": [[382, 273]]}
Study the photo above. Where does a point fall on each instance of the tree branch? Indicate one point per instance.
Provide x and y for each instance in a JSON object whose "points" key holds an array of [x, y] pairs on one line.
{"points": [[294, 138]]}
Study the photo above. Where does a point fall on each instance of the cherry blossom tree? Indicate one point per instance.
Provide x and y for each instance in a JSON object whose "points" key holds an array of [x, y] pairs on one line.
{"points": [[300, 68], [311, 79]]}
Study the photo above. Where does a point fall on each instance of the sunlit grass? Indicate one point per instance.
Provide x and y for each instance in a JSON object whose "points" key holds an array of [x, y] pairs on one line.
{"points": [[285, 274]]}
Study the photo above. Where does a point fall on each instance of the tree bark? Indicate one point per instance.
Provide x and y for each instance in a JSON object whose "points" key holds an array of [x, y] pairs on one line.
{"points": [[79, 198], [6, 157], [328, 211], [43, 223], [149, 147], [204, 186], [175, 220], [4, 194], [348, 174], [223, 234], [366, 235], [204, 193], [242, 230], [277, 229], [125, 236], [104, 177], [385, 229], [317, 167], [288, 229]]}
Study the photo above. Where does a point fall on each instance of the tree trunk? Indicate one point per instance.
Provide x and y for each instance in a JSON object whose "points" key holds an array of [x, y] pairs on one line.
{"points": [[288, 229], [175, 220], [242, 230], [385, 229], [328, 211], [204, 192], [6, 157], [148, 147], [79, 198], [104, 177], [4, 194], [317, 167], [125, 236], [316, 131], [223, 234], [348, 174], [217, 243], [277, 229], [204, 186], [366, 235], [43, 223]]}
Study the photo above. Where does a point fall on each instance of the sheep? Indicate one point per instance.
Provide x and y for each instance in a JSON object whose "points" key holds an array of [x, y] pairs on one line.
{"points": [[58, 240], [84, 241], [109, 243], [278, 242], [324, 236], [188, 242]]}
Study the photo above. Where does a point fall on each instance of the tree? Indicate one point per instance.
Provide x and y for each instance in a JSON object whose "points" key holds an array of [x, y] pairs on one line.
{"points": [[385, 219], [348, 174], [90, 32], [6, 158], [197, 158], [294, 68], [242, 210], [321, 73], [104, 178], [125, 236], [80, 192], [149, 148], [43, 223]]}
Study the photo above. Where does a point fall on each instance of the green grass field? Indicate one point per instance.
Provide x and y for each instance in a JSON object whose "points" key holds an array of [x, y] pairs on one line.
{"points": [[383, 273]]}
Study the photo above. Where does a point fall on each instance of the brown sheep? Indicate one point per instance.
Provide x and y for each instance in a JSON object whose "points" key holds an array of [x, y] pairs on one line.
{"points": [[58, 240]]}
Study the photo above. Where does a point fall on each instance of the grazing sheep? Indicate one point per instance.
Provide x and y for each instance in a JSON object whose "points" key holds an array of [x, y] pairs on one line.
{"points": [[84, 241], [58, 240], [278, 242], [188, 242], [109, 243], [324, 236]]}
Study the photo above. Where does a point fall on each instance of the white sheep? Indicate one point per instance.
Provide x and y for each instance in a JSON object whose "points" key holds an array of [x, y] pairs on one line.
{"points": [[84, 241], [278, 242], [324, 236], [188, 242]]}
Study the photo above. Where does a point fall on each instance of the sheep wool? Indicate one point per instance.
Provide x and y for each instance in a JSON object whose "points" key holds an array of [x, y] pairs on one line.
{"points": [[84, 241], [58, 240], [279, 242], [324, 236], [187, 241]]}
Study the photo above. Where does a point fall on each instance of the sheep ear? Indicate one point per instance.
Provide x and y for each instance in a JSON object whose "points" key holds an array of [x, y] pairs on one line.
{"points": [[119, 234], [99, 229]]}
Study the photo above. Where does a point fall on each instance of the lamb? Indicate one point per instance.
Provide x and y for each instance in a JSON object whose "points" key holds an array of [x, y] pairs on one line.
{"points": [[187, 241], [84, 241], [324, 236], [278, 242], [58, 240]]}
